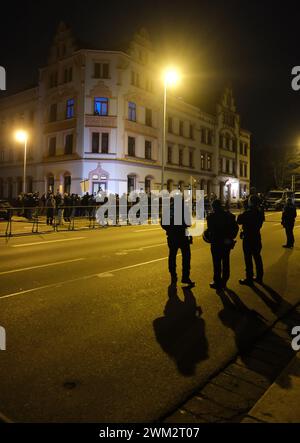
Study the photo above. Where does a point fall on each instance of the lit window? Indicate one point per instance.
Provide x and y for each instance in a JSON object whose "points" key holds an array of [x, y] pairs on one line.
{"points": [[101, 106], [70, 108], [132, 111]]}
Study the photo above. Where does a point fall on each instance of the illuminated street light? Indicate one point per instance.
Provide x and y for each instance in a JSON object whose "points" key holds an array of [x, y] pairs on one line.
{"points": [[170, 77], [22, 137]]}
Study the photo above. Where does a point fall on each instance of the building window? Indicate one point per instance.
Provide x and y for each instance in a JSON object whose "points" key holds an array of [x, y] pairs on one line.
{"points": [[130, 183], [180, 157], [53, 113], [227, 143], [101, 106], [191, 159], [202, 161], [67, 184], [203, 135], [69, 144], [210, 138], [241, 169], [181, 128], [1, 156], [52, 146], [68, 75], [70, 108], [209, 165], [132, 111], [104, 142], [131, 146], [50, 183], [147, 185], [148, 119], [227, 166], [148, 150], [233, 167], [95, 142], [101, 70], [170, 152], [191, 131], [53, 80], [170, 125], [135, 79], [245, 170]]}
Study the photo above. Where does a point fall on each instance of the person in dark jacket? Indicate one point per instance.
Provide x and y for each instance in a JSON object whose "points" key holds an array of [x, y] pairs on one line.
{"points": [[252, 220], [178, 239], [222, 229], [289, 214]]}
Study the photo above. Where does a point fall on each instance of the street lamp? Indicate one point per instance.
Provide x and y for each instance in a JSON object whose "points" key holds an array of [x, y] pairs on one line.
{"points": [[22, 137], [170, 78]]}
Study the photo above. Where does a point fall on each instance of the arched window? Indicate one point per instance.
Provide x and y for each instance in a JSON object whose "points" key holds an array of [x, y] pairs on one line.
{"points": [[67, 183], [148, 185], [50, 183], [170, 185], [181, 186], [131, 179]]}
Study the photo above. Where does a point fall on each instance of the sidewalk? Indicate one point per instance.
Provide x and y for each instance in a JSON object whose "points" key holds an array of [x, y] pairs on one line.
{"points": [[260, 385], [280, 403]]}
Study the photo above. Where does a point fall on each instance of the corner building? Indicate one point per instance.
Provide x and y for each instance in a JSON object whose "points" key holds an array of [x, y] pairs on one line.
{"points": [[95, 120]]}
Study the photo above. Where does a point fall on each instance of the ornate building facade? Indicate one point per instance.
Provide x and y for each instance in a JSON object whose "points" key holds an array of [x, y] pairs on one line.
{"points": [[95, 120]]}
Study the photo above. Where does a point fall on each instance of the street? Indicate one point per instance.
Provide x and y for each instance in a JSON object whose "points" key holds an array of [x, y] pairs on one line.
{"points": [[88, 335]]}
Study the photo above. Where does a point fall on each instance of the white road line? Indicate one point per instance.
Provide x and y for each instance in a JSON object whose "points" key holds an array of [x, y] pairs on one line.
{"points": [[147, 230], [86, 277], [41, 266], [23, 245]]}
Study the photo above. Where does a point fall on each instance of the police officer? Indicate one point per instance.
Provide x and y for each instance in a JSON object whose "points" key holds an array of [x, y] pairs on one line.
{"points": [[177, 237], [289, 214], [222, 229], [252, 220]]}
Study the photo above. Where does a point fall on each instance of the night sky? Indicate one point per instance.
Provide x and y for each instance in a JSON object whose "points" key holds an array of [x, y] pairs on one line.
{"points": [[251, 44]]}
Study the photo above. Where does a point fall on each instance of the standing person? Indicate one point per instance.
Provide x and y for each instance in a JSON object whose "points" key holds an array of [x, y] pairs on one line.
{"points": [[50, 206], [289, 214], [178, 239], [252, 220], [222, 229], [59, 202]]}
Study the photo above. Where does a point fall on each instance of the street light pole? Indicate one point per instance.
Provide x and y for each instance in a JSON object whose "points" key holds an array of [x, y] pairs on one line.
{"points": [[24, 172], [164, 136]]}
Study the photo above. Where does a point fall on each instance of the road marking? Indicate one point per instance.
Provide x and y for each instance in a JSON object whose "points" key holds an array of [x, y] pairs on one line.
{"points": [[86, 277], [147, 230], [41, 266], [125, 251], [23, 245]]}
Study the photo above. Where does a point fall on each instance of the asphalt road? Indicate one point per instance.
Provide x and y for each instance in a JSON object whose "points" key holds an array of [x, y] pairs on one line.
{"points": [[93, 336]]}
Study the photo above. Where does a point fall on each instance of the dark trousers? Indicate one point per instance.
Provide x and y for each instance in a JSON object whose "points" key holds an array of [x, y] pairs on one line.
{"points": [[290, 239], [221, 263], [252, 251], [183, 244]]}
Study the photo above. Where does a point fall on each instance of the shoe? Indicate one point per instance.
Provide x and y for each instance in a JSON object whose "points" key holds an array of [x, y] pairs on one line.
{"points": [[246, 281], [258, 280], [188, 281], [288, 246], [214, 285]]}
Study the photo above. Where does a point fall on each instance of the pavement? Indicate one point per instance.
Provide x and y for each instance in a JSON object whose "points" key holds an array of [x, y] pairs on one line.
{"points": [[94, 334]]}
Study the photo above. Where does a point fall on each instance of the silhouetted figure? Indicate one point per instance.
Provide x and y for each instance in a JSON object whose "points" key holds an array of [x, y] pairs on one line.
{"points": [[181, 332], [222, 229], [252, 220], [178, 239], [289, 214]]}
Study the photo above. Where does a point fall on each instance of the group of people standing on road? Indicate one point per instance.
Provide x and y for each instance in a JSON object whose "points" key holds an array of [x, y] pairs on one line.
{"points": [[222, 230]]}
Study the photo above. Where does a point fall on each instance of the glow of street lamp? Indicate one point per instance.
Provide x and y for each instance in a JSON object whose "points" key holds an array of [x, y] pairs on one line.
{"points": [[171, 77], [21, 136]]}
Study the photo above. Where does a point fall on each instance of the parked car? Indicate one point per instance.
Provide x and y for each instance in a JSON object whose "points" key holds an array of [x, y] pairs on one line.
{"points": [[5, 208], [276, 199]]}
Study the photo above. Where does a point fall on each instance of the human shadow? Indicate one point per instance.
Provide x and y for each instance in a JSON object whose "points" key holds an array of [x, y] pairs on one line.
{"points": [[248, 325], [181, 331]]}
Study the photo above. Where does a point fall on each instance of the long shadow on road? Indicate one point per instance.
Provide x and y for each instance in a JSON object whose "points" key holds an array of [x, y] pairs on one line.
{"points": [[181, 331]]}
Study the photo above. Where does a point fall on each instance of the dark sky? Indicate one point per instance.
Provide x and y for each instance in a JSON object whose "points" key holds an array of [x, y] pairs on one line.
{"points": [[252, 44]]}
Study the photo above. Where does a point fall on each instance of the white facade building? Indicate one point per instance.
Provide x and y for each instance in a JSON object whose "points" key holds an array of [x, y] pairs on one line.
{"points": [[95, 120]]}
